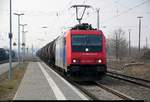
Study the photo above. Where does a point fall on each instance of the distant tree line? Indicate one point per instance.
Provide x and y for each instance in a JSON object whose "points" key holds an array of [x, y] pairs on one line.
{"points": [[118, 47]]}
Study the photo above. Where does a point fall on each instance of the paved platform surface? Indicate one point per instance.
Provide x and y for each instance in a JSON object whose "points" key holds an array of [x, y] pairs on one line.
{"points": [[4, 67], [42, 83]]}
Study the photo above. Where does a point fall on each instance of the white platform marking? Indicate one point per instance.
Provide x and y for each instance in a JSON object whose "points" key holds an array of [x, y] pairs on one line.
{"points": [[71, 86], [59, 95]]}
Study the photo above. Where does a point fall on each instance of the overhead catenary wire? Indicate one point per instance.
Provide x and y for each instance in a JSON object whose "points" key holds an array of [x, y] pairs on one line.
{"points": [[63, 12], [120, 14], [126, 11]]}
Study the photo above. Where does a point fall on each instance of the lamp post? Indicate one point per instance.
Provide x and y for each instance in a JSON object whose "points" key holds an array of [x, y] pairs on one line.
{"points": [[98, 18], [23, 46], [139, 31], [129, 42], [18, 34], [14, 44], [23, 40], [10, 46]]}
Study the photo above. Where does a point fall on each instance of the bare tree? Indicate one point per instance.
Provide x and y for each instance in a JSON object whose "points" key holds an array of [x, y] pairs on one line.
{"points": [[117, 45]]}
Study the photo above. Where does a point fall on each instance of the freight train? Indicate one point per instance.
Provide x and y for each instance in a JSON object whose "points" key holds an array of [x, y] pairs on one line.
{"points": [[4, 54], [80, 52]]}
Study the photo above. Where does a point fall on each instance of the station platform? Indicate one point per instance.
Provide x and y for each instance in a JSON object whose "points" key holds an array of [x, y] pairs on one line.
{"points": [[42, 83]]}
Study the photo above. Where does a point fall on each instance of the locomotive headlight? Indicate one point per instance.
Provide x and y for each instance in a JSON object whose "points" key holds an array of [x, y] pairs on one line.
{"points": [[74, 61], [99, 61]]}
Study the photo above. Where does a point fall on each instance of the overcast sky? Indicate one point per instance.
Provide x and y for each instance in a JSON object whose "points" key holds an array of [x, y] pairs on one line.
{"points": [[58, 16]]}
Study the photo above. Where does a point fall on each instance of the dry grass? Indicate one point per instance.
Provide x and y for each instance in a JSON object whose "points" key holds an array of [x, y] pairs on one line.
{"points": [[116, 64], [140, 71], [8, 88]]}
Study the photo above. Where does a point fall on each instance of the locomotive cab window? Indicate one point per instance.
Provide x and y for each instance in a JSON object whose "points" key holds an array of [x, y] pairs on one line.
{"points": [[86, 43]]}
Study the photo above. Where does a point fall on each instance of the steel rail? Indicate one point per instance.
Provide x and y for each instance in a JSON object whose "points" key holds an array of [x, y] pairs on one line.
{"points": [[115, 92], [138, 81], [129, 76]]}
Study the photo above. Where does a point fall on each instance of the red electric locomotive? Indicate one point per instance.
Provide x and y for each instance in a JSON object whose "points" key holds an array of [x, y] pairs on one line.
{"points": [[81, 52]]}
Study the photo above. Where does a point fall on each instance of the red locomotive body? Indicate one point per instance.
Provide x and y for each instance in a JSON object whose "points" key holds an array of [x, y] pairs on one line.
{"points": [[86, 52]]}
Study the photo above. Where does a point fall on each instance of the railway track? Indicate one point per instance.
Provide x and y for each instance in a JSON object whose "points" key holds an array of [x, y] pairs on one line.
{"points": [[102, 91], [138, 81], [97, 91], [4, 61], [15, 60]]}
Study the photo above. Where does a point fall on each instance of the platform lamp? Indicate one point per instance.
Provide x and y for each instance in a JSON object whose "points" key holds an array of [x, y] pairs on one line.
{"points": [[23, 45], [27, 49], [14, 44]]}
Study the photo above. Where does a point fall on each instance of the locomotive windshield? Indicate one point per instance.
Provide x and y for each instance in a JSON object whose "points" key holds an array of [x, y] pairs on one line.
{"points": [[86, 43]]}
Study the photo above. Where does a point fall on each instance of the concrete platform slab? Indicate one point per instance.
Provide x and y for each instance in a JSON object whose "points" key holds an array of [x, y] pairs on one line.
{"points": [[42, 83]]}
